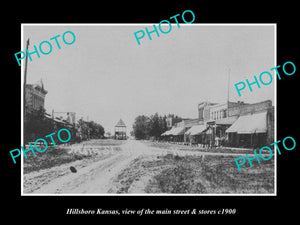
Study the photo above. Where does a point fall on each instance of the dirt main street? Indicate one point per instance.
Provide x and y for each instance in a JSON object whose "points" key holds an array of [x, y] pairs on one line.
{"points": [[97, 177]]}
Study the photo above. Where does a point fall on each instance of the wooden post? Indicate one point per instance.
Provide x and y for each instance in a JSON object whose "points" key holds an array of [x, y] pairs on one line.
{"points": [[228, 93], [24, 93]]}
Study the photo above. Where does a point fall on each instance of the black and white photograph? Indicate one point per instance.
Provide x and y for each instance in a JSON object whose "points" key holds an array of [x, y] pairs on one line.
{"points": [[163, 117], [144, 112]]}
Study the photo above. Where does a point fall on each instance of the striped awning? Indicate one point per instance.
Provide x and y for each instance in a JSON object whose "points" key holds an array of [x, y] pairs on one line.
{"points": [[227, 120], [175, 131], [195, 130], [249, 124]]}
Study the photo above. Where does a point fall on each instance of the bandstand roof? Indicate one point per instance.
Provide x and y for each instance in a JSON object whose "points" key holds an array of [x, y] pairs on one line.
{"points": [[120, 124]]}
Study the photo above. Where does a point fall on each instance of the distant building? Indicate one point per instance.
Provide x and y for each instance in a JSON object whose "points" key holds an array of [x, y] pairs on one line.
{"points": [[68, 117], [120, 130], [169, 121], [71, 117], [34, 97], [177, 131], [204, 111], [172, 120]]}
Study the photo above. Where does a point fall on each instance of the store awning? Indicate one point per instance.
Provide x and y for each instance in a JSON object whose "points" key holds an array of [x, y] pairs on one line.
{"points": [[227, 120], [195, 130], [174, 131], [249, 124], [166, 133], [177, 131]]}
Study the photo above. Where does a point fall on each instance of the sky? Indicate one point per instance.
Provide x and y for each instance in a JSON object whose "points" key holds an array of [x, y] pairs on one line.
{"points": [[105, 75]]}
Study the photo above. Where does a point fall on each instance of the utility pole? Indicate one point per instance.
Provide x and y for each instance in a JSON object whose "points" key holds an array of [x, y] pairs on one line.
{"points": [[25, 79], [24, 93], [228, 92]]}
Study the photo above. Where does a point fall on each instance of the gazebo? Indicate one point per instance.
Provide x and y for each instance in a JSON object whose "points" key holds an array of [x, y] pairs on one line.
{"points": [[120, 130]]}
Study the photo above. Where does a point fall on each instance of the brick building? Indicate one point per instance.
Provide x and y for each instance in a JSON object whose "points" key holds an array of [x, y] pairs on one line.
{"points": [[235, 124], [254, 125]]}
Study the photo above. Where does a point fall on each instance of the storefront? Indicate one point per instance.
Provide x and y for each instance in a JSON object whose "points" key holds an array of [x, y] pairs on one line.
{"points": [[248, 131], [176, 134], [196, 135]]}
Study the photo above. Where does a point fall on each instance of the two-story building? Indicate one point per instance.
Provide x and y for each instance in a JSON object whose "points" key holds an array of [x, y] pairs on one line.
{"points": [[237, 123], [34, 97]]}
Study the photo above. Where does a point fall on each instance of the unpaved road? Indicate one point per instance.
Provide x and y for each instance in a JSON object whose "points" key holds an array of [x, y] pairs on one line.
{"points": [[97, 177]]}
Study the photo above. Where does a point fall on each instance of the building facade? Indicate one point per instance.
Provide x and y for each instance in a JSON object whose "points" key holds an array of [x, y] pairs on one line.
{"points": [[254, 126], [204, 111], [177, 133], [169, 122], [248, 120], [234, 124], [34, 97]]}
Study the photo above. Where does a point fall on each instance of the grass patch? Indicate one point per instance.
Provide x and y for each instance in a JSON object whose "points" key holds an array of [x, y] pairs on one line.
{"points": [[212, 174], [178, 179], [55, 156], [50, 158]]}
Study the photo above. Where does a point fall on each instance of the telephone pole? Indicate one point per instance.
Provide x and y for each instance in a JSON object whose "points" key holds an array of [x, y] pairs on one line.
{"points": [[228, 92], [24, 93], [25, 80]]}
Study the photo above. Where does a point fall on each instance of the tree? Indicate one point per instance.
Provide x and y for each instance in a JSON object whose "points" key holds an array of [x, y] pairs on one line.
{"points": [[140, 127], [156, 126], [145, 127], [90, 129], [37, 126]]}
